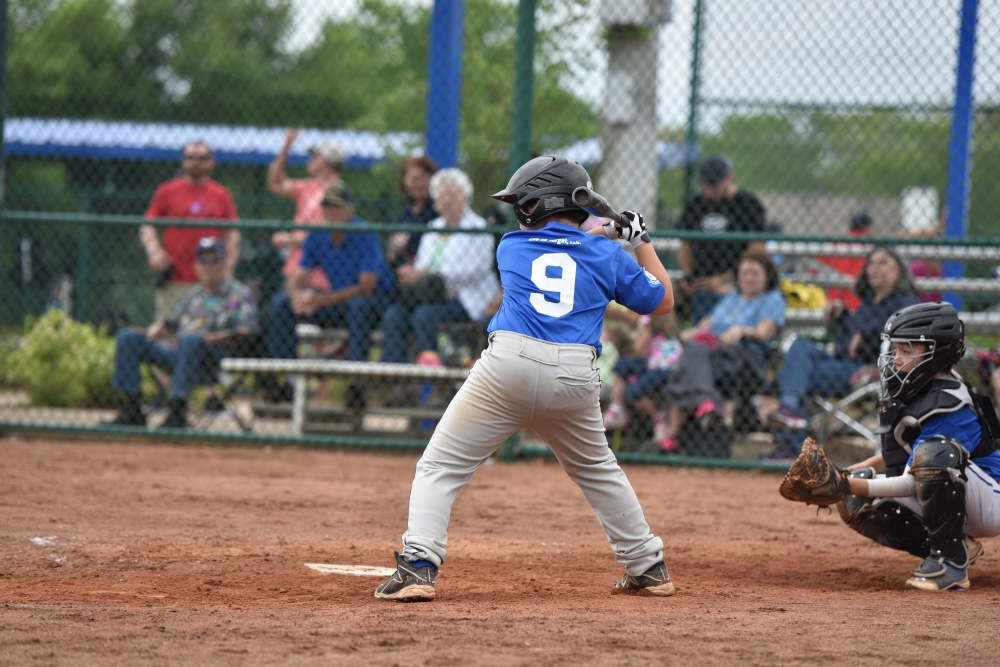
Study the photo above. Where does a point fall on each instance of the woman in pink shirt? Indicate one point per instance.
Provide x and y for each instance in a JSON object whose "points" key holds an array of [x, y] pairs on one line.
{"points": [[325, 163]]}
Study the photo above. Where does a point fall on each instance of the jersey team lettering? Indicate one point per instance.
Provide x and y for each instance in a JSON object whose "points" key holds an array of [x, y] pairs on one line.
{"points": [[556, 241]]}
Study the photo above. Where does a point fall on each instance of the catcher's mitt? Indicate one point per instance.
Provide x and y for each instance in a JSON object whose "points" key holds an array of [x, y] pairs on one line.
{"points": [[812, 479]]}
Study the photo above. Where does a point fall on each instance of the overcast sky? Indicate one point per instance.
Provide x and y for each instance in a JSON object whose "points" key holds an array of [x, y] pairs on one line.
{"points": [[843, 52]]}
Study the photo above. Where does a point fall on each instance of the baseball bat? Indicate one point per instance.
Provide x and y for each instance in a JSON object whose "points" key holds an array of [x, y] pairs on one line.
{"points": [[595, 204]]}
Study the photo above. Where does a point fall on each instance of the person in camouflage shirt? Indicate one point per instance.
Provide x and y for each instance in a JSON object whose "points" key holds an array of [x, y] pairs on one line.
{"points": [[208, 321]]}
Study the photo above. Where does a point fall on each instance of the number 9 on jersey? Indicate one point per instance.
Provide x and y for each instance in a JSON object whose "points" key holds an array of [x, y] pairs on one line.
{"points": [[565, 285]]}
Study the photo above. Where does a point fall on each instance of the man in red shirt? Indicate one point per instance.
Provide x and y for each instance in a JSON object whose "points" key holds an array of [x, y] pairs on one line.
{"points": [[193, 195]]}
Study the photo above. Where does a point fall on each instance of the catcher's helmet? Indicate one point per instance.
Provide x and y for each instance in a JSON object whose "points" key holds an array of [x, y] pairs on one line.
{"points": [[934, 325], [549, 180]]}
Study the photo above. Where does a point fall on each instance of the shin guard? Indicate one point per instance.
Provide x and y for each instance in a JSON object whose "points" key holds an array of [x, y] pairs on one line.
{"points": [[939, 470]]}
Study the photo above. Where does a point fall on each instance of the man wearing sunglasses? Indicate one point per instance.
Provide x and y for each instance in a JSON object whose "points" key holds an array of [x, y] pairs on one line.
{"points": [[209, 321], [192, 195]]}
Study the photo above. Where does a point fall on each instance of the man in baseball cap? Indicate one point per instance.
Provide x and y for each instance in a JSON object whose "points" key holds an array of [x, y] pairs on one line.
{"points": [[213, 319], [859, 225], [210, 245], [358, 278], [338, 195], [714, 169], [719, 207]]}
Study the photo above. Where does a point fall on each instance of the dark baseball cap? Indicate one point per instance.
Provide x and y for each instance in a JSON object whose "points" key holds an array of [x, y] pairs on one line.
{"points": [[338, 194], [210, 244], [713, 169], [860, 220]]}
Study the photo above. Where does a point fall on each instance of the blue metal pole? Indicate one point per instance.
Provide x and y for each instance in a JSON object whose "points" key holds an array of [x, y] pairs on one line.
{"points": [[4, 289], [444, 82], [959, 150]]}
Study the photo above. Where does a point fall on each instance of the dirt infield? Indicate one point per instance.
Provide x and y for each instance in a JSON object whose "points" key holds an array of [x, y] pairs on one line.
{"points": [[153, 554]]}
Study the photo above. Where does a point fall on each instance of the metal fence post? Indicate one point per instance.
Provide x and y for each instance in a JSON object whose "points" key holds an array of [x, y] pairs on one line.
{"points": [[959, 150], [444, 82], [524, 83], [629, 130], [83, 273], [695, 97]]}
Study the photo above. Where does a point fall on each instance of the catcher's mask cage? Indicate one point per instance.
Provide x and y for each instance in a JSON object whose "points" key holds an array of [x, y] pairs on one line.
{"points": [[544, 186], [936, 328]]}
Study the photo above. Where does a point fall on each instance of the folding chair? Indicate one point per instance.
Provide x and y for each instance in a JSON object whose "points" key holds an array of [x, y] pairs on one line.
{"points": [[818, 422]]}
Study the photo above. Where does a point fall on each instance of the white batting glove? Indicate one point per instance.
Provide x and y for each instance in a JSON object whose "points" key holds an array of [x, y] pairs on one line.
{"points": [[610, 230], [635, 233]]}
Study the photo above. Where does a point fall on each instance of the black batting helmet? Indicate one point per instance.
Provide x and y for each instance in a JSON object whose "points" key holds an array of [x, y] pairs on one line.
{"points": [[547, 179], [935, 326]]}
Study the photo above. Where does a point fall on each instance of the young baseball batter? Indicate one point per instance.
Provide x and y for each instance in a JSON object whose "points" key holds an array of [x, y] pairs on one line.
{"points": [[538, 372], [933, 489]]}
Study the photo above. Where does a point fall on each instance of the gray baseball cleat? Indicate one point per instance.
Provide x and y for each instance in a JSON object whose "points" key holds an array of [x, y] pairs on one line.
{"points": [[409, 583], [937, 574], [974, 548], [654, 581]]}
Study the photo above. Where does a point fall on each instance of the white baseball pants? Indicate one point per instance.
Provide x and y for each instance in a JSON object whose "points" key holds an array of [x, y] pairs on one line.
{"points": [[982, 503], [522, 382]]}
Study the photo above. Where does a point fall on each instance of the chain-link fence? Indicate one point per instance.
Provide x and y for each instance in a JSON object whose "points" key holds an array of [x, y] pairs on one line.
{"points": [[810, 134]]}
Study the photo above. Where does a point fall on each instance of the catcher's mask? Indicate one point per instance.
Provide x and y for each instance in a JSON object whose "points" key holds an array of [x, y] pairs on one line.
{"points": [[934, 329], [548, 180]]}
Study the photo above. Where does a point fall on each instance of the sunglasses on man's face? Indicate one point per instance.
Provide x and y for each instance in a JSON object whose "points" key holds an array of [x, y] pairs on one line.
{"points": [[209, 258], [198, 157]]}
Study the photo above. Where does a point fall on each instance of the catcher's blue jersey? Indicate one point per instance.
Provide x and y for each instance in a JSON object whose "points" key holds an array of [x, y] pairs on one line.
{"points": [[558, 281]]}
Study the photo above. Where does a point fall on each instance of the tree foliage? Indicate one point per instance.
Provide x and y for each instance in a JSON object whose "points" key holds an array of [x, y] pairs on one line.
{"points": [[227, 62]]}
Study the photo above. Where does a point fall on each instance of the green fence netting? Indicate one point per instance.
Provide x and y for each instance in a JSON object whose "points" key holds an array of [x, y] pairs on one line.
{"points": [[819, 138]]}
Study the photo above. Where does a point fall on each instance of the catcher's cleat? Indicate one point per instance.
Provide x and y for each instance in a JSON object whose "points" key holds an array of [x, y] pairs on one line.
{"points": [[411, 582], [974, 548], [654, 581], [937, 574]]}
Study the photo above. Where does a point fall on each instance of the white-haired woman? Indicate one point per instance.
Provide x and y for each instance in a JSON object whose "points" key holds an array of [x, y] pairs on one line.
{"points": [[451, 279]]}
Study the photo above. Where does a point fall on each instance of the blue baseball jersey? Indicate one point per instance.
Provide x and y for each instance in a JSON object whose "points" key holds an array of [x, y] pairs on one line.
{"points": [[963, 425], [558, 281]]}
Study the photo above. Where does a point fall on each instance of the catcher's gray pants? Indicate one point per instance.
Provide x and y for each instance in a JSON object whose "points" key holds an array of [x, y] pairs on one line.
{"points": [[522, 382]]}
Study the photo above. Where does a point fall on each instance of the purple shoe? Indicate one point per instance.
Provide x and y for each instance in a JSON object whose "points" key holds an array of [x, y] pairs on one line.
{"points": [[786, 417]]}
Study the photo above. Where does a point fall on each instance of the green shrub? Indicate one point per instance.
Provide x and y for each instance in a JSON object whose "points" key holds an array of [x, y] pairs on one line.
{"points": [[63, 363], [8, 346]]}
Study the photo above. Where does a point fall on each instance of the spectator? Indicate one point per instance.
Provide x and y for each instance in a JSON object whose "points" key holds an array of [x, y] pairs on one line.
{"points": [[994, 387], [884, 287], [720, 207], [861, 225], [415, 187], [452, 277], [326, 160], [921, 267], [638, 377], [192, 195], [725, 348], [359, 281], [210, 319]]}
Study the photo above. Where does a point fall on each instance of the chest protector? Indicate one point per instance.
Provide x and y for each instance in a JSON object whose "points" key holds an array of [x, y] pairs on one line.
{"points": [[941, 396]]}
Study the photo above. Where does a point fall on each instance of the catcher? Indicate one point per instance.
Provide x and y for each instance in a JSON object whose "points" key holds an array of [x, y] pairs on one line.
{"points": [[934, 488]]}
